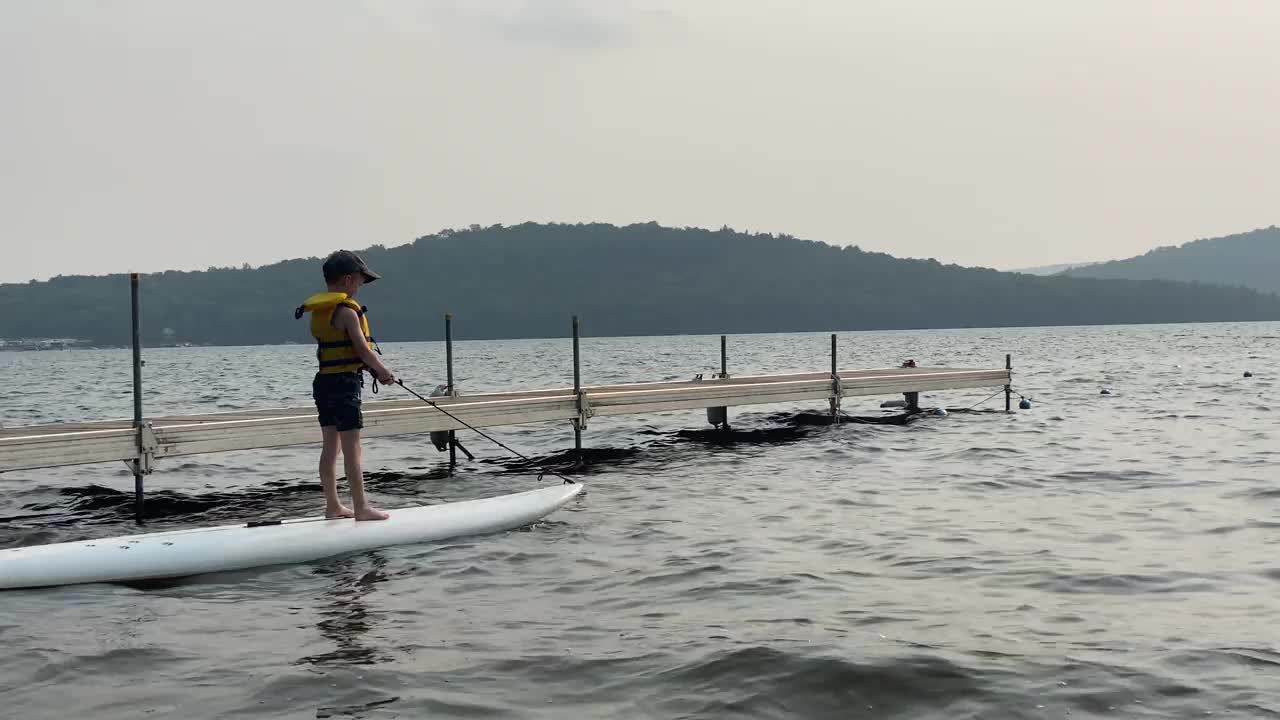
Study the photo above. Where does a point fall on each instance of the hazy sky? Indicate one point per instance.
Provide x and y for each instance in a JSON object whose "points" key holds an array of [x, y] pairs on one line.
{"points": [[145, 135]]}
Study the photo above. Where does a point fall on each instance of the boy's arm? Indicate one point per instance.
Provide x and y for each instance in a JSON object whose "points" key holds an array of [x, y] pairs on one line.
{"points": [[346, 319]]}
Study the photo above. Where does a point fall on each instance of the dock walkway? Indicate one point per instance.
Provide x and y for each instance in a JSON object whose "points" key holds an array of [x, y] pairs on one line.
{"points": [[59, 444]]}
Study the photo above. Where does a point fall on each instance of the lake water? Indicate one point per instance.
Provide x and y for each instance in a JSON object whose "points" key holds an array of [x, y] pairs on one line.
{"points": [[1096, 556]]}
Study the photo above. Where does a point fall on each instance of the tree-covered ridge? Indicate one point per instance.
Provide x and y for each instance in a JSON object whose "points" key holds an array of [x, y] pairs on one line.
{"points": [[526, 280], [1246, 259]]}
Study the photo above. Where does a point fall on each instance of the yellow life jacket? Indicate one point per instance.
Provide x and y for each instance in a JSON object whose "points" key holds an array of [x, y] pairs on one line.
{"points": [[334, 350]]}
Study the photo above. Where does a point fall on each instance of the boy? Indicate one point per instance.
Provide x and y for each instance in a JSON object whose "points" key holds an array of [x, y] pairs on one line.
{"points": [[341, 330]]}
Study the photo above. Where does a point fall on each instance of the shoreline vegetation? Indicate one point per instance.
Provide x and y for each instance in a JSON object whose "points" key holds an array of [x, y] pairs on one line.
{"points": [[526, 281]]}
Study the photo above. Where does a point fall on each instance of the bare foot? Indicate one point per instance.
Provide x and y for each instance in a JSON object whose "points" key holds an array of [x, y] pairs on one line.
{"points": [[370, 512], [342, 511]]}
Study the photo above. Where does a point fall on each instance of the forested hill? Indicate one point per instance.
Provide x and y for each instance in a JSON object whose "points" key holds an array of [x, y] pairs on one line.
{"points": [[1248, 259], [527, 280]]}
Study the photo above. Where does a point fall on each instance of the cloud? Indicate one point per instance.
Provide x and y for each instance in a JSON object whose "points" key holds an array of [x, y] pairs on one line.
{"points": [[569, 24]]}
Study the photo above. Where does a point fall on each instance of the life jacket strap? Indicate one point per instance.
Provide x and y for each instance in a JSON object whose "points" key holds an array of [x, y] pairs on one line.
{"points": [[341, 343], [341, 361]]}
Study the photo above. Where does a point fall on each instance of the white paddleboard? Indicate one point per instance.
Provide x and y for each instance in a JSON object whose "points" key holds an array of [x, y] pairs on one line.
{"points": [[178, 553]]}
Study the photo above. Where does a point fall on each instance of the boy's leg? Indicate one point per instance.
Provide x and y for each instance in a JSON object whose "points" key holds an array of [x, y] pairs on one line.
{"points": [[323, 389], [350, 440], [333, 507]]}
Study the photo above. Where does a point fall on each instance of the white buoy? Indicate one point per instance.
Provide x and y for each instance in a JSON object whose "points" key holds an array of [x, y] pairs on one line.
{"points": [[940, 412]]}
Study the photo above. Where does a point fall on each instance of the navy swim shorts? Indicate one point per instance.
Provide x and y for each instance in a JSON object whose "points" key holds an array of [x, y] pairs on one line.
{"points": [[337, 397]]}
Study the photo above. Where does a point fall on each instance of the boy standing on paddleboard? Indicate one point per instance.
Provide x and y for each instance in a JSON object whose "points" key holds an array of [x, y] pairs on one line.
{"points": [[341, 329]]}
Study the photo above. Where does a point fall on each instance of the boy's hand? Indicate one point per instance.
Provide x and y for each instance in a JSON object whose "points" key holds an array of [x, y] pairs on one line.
{"points": [[386, 378]]}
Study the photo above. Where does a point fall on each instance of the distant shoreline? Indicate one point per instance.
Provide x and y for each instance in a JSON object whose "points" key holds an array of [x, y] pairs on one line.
{"points": [[7, 345]]}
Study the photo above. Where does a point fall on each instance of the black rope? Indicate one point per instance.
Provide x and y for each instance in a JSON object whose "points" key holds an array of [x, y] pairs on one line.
{"points": [[541, 470], [847, 416], [995, 394]]}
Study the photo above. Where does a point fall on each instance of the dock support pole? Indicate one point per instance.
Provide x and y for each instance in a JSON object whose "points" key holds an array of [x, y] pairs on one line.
{"points": [[719, 416], [724, 375], [448, 364], [836, 390], [912, 401], [1008, 389], [577, 393], [139, 465]]}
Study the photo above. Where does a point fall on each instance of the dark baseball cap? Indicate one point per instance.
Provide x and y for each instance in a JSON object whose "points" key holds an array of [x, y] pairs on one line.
{"points": [[345, 262]]}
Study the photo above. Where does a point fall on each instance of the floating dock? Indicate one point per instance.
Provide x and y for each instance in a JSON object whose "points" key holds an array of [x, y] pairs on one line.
{"points": [[59, 444], [141, 441]]}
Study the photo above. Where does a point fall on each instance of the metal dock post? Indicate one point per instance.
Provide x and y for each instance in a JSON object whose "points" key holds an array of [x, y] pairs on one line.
{"points": [[140, 464], [448, 368], [580, 400], [1008, 389], [719, 415], [837, 390]]}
